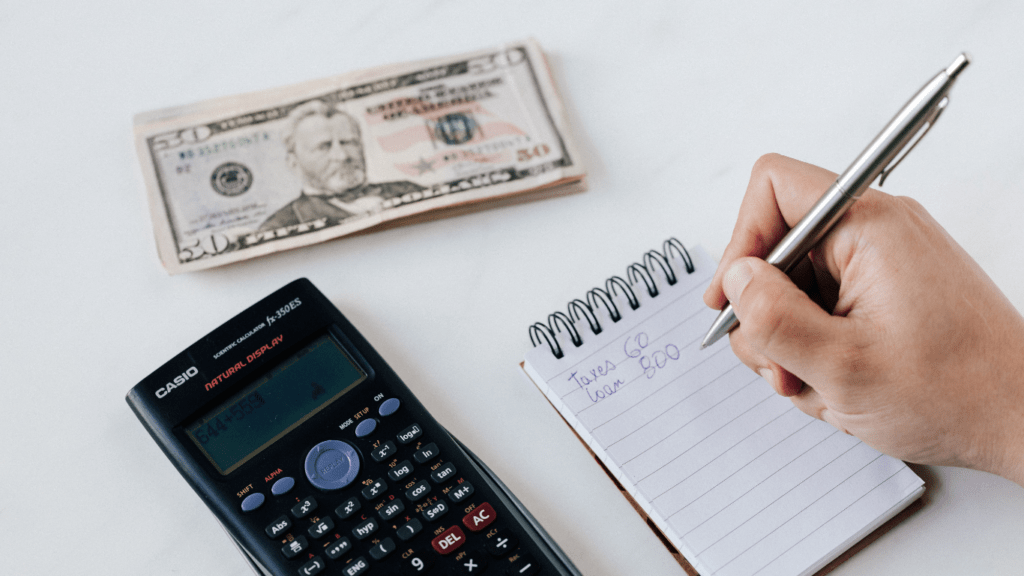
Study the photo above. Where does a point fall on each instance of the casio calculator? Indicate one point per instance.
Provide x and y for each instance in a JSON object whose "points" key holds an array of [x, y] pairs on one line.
{"points": [[317, 459]]}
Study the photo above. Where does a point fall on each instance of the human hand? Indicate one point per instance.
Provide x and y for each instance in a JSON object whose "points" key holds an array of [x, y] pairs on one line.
{"points": [[922, 356]]}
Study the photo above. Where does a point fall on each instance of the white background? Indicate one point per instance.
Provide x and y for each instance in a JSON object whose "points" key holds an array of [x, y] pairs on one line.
{"points": [[671, 104]]}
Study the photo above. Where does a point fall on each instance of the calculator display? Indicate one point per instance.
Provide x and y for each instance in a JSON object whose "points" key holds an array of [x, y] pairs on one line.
{"points": [[276, 403]]}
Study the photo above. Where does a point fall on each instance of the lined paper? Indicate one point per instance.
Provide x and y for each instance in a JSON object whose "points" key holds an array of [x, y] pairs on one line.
{"points": [[736, 477]]}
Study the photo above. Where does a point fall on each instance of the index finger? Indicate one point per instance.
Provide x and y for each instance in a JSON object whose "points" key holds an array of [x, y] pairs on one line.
{"points": [[780, 192]]}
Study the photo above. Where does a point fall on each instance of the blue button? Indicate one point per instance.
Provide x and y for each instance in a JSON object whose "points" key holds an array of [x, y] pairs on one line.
{"points": [[282, 486], [332, 465], [252, 502], [366, 427], [389, 406]]}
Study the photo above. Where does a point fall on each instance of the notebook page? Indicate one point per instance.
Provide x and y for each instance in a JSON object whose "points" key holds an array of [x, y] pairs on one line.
{"points": [[736, 477]]}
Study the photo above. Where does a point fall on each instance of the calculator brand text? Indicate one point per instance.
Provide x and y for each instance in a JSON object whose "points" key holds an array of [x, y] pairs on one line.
{"points": [[177, 381]]}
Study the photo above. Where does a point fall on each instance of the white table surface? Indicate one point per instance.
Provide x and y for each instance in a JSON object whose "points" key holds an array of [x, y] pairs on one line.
{"points": [[671, 103]]}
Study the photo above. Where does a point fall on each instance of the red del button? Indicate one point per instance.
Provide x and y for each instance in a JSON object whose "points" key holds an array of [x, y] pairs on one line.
{"points": [[449, 540], [479, 518]]}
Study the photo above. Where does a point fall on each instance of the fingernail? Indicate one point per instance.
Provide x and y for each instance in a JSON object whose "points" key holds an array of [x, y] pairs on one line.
{"points": [[767, 374], [736, 279]]}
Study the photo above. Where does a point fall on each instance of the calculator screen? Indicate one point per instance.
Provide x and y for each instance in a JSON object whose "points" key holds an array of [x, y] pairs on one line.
{"points": [[287, 395]]}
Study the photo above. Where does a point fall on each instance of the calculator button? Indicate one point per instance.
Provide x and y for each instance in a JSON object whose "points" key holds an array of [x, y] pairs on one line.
{"points": [[384, 451], [332, 465], [409, 529], [252, 502], [443, 473], [382, 549], [449, 540], [461, 492], [419, 490], [376, 489], [436, 511], [356, 567], [365, 528], [391, 509], [409, 434], [389, 406], [479, 518], [321, 528], [428, 453], [295, 547], [314, 566], [348, 508], [366, 427], [416, 564], [401, 470], [502, 543], [278, 527], [338, 549], [472, 563], [303, 508], [282, 486], [523, 566]]}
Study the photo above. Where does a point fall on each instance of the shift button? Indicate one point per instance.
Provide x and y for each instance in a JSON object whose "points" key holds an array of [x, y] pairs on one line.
{"points": [[252, 502]]}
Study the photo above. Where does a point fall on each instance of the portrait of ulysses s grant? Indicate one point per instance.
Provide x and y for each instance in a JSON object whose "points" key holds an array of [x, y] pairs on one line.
{"points": [[325, 149]]}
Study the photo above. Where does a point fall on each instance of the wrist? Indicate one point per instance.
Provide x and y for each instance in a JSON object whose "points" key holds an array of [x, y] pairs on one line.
{"points": [[1012, 465], [1010, 460]]}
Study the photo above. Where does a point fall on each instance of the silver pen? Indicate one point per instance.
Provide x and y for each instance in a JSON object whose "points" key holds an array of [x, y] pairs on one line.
{"points": [[911, 123]]}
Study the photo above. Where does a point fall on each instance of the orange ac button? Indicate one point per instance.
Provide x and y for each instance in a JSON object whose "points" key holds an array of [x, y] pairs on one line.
{"points": [[479, 518]]}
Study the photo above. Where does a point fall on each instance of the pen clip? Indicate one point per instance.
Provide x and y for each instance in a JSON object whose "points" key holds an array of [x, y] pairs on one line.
{"points": [[920, 134]]}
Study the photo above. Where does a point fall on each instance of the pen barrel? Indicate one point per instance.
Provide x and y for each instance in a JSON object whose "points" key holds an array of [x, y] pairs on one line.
{"points": [[811, 228], [922, 109]]}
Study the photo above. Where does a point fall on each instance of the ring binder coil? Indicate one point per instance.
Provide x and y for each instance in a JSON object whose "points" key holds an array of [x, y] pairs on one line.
{"points": [[638, 273]]}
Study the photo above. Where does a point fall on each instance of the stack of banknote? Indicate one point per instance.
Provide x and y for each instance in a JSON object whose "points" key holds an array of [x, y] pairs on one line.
{"points": [[244, 176]]}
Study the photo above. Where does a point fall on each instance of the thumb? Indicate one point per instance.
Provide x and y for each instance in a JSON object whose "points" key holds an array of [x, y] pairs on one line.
{"points": [[779, 321]]}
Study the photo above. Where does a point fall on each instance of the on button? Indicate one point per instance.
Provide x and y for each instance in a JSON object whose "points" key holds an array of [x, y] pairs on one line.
{"points": [[389, 406]]}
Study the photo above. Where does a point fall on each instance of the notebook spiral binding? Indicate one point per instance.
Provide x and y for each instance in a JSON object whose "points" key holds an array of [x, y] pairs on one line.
{"points": [[638, 273]]}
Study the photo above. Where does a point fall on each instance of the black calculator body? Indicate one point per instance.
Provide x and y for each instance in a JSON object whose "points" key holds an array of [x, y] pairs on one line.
{"points": [[317, 459]]}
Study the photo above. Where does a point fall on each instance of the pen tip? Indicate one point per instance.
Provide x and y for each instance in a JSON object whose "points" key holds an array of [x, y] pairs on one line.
{"points": [[958, 65]]}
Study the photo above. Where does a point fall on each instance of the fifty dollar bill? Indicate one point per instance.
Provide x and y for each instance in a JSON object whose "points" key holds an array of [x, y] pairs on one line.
{"points": [[243, 176]]}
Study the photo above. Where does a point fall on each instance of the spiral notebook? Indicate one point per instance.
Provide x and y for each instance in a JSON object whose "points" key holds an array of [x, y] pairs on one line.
{"points": [[732, 476]]}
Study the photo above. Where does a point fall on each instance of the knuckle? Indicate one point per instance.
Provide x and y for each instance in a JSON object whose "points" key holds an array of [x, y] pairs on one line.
{"points": [[914, 206], [767, 163], [872, 203]]}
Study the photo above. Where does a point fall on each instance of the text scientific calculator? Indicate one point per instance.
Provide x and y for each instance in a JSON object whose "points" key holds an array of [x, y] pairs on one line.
{"points": [[317, 459]]}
